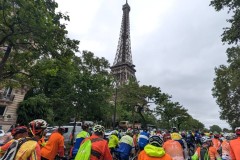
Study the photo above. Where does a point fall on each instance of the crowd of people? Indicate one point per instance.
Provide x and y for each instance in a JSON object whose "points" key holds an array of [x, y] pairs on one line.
{"points": [[161, 145], [28, 143]]}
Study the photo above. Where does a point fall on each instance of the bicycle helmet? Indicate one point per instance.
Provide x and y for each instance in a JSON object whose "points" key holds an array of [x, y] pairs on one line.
{"points": [[61, 129], [129, 132], [37, 126], [167, 136], [216, 135], [183, 134], [19, 129], [115, 132], [98, 128], [174, 129], [156, 141], [205, 139], [176, 136], [85, 126], [237, 130]]}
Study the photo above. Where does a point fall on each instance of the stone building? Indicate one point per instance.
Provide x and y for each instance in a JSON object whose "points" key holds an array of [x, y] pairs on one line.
{"points": [[9, 102]]}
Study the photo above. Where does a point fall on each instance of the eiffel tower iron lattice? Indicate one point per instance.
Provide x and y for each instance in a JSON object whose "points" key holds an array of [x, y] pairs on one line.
{"points": [[123, 67]]}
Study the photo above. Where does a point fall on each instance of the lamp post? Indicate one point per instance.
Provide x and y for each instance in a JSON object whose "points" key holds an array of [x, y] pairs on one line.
{"points": [[115, 107]]}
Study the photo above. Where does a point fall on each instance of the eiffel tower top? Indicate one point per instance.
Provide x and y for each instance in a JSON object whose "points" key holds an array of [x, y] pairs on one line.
{"points": [[124, 54], [123, 67]]}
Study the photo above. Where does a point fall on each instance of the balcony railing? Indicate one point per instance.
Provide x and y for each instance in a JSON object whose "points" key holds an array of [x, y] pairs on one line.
{"points": [[6, 97]]}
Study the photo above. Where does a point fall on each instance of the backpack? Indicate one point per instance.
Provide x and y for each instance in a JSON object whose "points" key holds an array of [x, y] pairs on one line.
{"points": [[85, 149], [204, 154], [13, 148]]}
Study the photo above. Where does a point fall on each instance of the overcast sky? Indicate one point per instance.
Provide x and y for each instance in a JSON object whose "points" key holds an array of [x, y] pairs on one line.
{"points": [[176, 44]]}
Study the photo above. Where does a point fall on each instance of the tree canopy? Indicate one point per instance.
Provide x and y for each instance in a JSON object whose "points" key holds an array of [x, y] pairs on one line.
{"points": [[215, 128], [226, 88], [30, 30]]}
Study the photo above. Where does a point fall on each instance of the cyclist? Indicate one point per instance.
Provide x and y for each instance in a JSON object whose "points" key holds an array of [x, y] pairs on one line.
{"points": [[159, 133], [54, 146], [135, 139], [216, 142], [190, 143], [197, 136], [173, 148], [113, 141], [17, 133], [143, 139], [125, 146], [206, 151], [154, 150], [99, 148], [225, 148], [80, 137], [30, 149], [235, 146]]}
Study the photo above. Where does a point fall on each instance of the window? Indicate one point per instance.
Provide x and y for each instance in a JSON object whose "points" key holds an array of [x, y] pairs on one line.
{"points": [[7, 92], [2, 110]]}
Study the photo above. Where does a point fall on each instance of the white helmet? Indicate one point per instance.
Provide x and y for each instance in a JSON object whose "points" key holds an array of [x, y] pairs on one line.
{"points": [[205, 139], [98, 128]]}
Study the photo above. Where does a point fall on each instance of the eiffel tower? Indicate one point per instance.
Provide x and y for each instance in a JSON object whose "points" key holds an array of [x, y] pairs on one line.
{"points": [[123, 67]]}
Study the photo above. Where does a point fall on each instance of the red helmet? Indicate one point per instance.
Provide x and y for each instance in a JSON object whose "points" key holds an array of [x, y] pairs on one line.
{"points": [[19, 129], [237, 130], [37, 126], [167, 136]]}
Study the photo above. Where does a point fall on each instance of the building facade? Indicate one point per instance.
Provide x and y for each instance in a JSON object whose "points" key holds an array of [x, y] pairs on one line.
{"points": [[9, 102]]}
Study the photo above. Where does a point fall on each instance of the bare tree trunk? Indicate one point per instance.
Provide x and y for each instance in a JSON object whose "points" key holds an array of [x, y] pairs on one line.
{"points": [[4, 59]]}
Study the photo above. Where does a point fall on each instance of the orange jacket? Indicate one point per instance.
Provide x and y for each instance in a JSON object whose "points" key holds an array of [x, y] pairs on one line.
{"points": [[235, 149], [174, 149], [212, 152], [225, 148], [54, 146], [100, 150], [216, 143]]}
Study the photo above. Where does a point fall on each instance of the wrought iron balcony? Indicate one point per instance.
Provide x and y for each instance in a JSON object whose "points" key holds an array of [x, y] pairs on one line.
{"points": [[6, 97]]}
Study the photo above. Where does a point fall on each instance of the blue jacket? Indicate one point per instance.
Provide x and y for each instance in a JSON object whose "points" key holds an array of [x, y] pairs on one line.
{"points": [[143, 139], [80, 137]]}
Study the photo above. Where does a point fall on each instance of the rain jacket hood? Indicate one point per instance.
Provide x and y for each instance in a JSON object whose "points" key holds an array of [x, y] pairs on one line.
{"points": [[153, 151]]}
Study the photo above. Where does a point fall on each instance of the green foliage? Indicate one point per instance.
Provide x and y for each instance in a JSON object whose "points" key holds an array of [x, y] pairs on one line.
{"points": [[226, 88], [231, 34], [30, 30], [226, 130], [34, 108], [215, 128], [192, 124], [136, 99], [76, 87]]}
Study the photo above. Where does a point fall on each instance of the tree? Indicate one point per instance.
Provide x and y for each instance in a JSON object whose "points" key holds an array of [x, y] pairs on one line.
{"points": [[75, 87], [30, 30], [38, 104], [192, 124], [226, 88], [136, 99], [215, 128], [231, 34], [172, 114], [226, 130]]}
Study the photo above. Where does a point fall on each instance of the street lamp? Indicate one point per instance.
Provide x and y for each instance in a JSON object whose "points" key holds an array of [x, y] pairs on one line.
{"points": [[115, 106]]}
